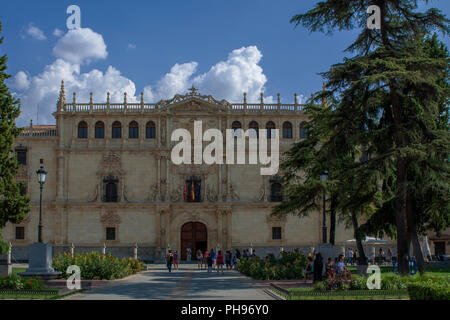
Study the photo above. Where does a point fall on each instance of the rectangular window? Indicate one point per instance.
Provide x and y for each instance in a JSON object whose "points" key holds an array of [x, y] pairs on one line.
{"points": [[110, 233], [192, 190], [21, 157], [276, 233], [20, 233]]}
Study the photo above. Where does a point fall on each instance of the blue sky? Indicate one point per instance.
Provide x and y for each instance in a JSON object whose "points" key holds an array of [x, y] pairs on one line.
{"points": [[145, 39]]}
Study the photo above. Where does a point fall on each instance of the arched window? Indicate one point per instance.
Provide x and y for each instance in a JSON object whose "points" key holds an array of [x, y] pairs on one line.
{"points": [[303, 131], [134, 130], [117, 130], [275, 194], [269, 126], [111, 189], [237, 128], [82, 130], [287, 130], [150, 130], [254, 129], [99, 130]]}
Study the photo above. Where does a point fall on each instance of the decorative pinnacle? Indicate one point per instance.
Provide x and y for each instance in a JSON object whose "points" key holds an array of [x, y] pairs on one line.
{"points": [[245, 97], [262, 98], [295, 99], [278, 98], [91, 98], [194, 91], [62, 97], [142, 98], [125, 98], [74, 98], [108, 97]]}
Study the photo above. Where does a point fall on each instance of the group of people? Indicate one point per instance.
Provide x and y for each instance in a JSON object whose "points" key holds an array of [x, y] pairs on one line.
{"points": [[333, 269], [211, 259], [172, 258]]}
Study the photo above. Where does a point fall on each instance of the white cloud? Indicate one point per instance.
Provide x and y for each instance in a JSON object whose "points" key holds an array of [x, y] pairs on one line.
{"points": [[176, 81], [228, 79], [44, 89], [35, 32], [80, 46], [20, 81], [238, 74], [131, 46], [58, 33]]}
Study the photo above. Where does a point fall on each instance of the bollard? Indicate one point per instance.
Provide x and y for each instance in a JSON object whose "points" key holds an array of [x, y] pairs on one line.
{"points": [[135, 251], [8, 256], [104, 248], [72, 250]]}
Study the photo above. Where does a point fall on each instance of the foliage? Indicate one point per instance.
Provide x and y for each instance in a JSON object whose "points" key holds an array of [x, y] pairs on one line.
{"points": [[289, 266], [16, 282], [429, 290], [94, 266], [389, 102], [13, 206]]}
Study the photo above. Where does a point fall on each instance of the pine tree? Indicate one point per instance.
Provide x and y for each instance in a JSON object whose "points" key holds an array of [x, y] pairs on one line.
{"points": [[13, 206], [389, 96]]}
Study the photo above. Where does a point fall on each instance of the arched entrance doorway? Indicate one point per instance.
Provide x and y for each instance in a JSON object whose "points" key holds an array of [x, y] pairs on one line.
{"points": [[194, 236]]}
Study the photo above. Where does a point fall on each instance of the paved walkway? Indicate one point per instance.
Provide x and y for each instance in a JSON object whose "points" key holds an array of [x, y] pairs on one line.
{"points": [[186, 283]]}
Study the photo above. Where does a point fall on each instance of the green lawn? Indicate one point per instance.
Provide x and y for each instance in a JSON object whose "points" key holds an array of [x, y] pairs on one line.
{"points": [[18, 270], [442, 272]]}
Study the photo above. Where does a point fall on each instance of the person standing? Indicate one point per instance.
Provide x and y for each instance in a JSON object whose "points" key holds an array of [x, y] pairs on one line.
{"points": [[199, 259], [175, 260], [219, 265], [169, 259], [228, 259], [318, 267], [350, 256], [209, 261], [238, 254], [213, 256], [235, 261]]}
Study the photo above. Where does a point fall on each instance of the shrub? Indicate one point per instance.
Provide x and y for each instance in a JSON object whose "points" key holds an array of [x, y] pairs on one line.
{"points": [[16, 282], [94, 266], [429, 290], [289, 266]]}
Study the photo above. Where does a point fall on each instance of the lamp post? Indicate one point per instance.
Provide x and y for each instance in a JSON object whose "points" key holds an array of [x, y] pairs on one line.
{"points": [[323, 178], [42, 176]]}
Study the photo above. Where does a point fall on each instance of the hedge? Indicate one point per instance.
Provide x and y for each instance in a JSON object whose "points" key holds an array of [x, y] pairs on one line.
{"points": [[429, 290]]}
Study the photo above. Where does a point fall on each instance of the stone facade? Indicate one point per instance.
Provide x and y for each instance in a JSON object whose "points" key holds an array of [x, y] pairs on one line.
{"points": [[150, 209]]}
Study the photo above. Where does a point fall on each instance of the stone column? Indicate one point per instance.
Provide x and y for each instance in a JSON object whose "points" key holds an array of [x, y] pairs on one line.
{"points": [[219, 226]]}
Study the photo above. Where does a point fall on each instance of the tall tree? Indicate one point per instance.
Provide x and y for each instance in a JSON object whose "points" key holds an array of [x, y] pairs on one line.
{"points": [[13, 206], [388, 96]]}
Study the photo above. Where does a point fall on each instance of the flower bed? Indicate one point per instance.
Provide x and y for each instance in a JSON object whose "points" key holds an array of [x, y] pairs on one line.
{"points": [[94, 266], [16, 282], [290, 266]]}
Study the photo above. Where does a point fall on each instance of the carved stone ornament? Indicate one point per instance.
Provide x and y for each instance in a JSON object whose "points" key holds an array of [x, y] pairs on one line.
{"points": [[211, 193], [110, 218], [154, 193], [233, 194]]}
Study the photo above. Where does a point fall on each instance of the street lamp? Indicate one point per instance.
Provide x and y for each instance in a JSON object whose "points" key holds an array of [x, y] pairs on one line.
{"points": [[323, 178], [42, 176]]}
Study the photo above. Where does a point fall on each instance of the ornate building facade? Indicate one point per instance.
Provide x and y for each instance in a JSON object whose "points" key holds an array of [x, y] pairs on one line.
{"points": [[111, 180]]}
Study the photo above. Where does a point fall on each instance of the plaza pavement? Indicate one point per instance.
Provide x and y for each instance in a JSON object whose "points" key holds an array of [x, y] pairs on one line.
{"points": [[184, 284]]}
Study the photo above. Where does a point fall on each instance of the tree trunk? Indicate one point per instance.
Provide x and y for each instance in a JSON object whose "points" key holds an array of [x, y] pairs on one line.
{"points": [[333, 220], [362, 255], [412, 232], [400, 219]]}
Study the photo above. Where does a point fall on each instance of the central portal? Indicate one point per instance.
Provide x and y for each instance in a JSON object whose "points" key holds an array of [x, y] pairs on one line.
{"points": [[194, 236]]}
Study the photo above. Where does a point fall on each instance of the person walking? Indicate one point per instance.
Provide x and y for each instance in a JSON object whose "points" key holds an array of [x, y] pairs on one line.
{"points": [[219, 265], [228, 259], [199, 259], [209, 261], [169, 259], [175, 260]]}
